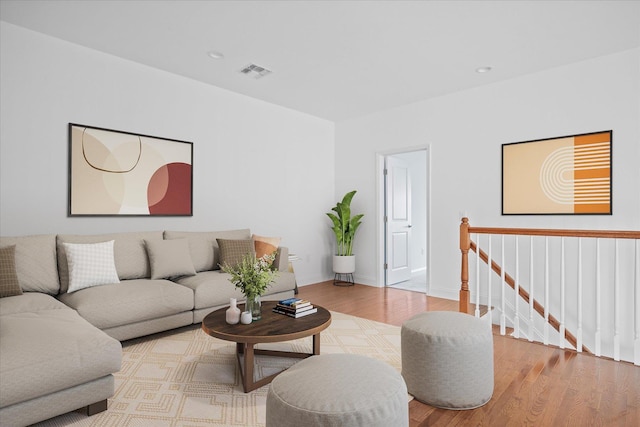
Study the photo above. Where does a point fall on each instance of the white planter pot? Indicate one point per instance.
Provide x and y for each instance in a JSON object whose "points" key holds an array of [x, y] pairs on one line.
{"points": [[344, 264]]}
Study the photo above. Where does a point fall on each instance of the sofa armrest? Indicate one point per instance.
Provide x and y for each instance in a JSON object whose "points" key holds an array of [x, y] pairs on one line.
{"points": [[282, 259]]}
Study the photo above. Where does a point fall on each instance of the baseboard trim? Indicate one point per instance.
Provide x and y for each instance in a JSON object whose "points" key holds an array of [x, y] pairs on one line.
{"points": [[443, 293]]}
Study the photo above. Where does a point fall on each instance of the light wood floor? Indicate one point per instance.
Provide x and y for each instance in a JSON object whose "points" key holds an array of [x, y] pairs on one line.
{"points": [[534, 385]]}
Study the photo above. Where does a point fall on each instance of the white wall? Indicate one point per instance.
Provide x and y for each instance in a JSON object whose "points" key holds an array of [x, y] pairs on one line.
{"points": [[242, 145], [256, 165], [465, 131]]}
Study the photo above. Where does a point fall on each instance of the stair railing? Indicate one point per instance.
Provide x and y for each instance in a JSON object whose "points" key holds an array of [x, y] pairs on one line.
{"points": [[589, 281]]}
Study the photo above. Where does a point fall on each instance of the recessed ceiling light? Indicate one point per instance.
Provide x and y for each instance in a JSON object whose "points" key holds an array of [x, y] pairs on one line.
{"points": [[215, 54], [483, 69]]}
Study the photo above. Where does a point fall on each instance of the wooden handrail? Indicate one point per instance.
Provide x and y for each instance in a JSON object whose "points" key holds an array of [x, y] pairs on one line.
{"points": [[601, 234], [525, 296]]}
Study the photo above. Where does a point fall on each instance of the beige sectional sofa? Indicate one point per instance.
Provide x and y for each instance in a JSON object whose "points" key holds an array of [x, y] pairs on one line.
{"points": [[60, 349]]}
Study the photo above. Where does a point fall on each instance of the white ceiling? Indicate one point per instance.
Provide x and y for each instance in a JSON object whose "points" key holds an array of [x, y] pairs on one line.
{"points": [[341, 59]]}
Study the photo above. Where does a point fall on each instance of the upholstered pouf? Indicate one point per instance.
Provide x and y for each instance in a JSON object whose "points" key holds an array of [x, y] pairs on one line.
{"points": [[447, 359], [338, 390]]}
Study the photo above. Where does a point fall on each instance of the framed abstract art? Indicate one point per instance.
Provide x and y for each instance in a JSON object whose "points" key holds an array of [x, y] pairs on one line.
{"points": [[569, 175], [114, 173]]}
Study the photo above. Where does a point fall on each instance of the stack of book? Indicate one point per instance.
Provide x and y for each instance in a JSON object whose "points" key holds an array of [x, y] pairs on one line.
{"points": [[294, 307]]}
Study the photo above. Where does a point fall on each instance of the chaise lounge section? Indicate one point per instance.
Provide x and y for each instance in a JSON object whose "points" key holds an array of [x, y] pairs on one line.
{"points": [[52, 361]]}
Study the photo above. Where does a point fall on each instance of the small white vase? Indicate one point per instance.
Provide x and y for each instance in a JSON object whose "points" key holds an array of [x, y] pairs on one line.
{"points": [[245, 317], [233, 312]]}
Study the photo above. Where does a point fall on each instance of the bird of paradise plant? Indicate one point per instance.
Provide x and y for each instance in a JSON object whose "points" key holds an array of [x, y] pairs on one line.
{"points": [[344, 225]]}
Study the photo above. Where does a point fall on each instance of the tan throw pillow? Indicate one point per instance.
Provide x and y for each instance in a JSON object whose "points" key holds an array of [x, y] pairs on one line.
{"points": [[169, 258], [232, 251], [265, 245], [9, 285]]}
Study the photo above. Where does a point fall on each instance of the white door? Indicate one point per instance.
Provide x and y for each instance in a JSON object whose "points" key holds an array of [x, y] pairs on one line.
{"points": [[398, 220]]}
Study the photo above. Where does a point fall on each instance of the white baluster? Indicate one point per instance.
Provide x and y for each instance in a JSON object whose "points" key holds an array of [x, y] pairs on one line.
{"points": [[489, 304], [477, 313], [516, 316], [598, 337], [616, 306], [579, 331], [636, 311], [562, 295], [546, 290], [503, 318], [531, 325]]}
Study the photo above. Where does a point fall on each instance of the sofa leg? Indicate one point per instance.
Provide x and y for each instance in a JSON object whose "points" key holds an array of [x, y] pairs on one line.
{"points": [[94, 408]]}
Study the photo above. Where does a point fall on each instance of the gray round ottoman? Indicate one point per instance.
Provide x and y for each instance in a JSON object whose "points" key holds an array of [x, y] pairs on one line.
{"points": [[338, 390], [447, 359]]}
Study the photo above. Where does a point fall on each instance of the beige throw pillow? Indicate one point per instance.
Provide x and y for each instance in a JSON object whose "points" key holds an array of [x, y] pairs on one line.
{"points": [[169, 258], [232, 251], [9, 285]]}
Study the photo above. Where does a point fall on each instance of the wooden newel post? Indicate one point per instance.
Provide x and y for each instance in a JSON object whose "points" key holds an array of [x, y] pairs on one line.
{"points": [[465, 245]]}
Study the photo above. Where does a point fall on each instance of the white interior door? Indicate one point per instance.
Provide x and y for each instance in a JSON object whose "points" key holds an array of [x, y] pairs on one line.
{"points": [[397, 220]]}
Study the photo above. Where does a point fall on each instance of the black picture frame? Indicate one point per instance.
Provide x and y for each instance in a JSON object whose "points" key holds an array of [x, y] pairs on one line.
{"points": [[119, 173], [566, 175]]}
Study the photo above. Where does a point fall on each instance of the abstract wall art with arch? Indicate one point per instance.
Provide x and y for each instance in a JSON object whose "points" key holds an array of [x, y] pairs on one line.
{"points": [[569, 175], [121, 173]]}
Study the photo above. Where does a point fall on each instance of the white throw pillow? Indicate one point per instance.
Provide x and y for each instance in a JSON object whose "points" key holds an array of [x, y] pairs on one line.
{"points": [[90, 264]]}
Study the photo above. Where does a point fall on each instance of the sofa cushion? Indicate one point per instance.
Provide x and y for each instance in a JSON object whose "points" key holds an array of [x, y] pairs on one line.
{"points": [[232, 252], [213, 288], [49, 348], [205, 253], [129, 301], [169, 258], [29, 302], [90, 264], [35, 262], [9, 285], [129, 252]]}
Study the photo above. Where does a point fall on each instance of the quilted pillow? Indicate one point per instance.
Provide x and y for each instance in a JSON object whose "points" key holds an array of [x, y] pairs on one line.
{"points": [[90, 264], [265, 245], [232, 251], [169, 258], [9, 285]]}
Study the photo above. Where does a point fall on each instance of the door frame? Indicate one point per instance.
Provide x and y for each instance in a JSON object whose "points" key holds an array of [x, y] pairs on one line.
{"points": [[380, 210]]}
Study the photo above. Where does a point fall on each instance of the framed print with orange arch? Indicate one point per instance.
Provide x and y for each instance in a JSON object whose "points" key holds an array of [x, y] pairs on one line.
{"points": [[114, 173], [569, 175]]}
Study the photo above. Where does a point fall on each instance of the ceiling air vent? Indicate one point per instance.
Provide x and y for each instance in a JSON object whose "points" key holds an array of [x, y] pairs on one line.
{"points": [[255, 71]]}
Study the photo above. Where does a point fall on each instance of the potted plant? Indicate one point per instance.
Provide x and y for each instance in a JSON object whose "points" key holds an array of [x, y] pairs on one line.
{"points": [[344, 228], [252, 276]]}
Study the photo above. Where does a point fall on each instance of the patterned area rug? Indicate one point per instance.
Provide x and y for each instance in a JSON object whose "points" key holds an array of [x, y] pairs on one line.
{"points": [[187, 378]]}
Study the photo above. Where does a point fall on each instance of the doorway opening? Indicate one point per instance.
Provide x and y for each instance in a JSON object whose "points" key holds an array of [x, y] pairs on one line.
{"points": [[404, 192]]}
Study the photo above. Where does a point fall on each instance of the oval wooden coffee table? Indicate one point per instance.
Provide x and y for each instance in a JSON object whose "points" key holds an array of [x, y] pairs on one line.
{"points": [[273, 327]]}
